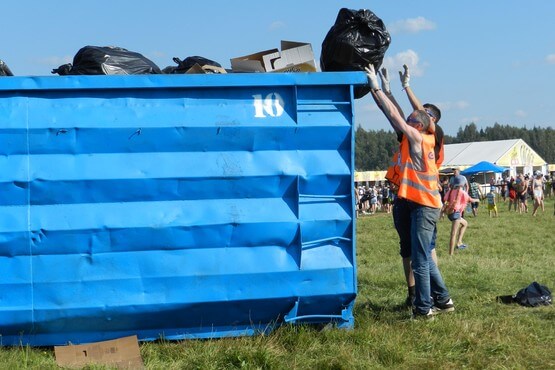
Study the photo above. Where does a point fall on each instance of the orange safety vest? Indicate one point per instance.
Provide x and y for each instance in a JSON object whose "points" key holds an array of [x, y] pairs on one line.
{"points": [[393, 174], [440, 155], [420, 187]]}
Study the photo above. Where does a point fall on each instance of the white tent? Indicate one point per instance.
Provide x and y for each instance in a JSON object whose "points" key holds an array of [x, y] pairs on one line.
{"points": [[514, 154]]}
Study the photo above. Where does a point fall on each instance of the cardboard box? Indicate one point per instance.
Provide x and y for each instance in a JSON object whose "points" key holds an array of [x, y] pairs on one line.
{"points": [[198, 69], [122, 353], [294, 57]]}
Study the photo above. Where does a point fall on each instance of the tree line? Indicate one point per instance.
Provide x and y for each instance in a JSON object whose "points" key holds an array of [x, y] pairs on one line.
{"points": [[374, 149]]}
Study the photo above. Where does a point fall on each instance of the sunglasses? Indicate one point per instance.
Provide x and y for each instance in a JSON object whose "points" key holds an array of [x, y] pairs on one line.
{"points": [[430, 113], [412, 120]]}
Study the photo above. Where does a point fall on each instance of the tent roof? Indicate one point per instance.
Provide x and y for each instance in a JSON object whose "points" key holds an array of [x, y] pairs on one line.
{"points": [[483, 167], [500, 152], [468, 154]]}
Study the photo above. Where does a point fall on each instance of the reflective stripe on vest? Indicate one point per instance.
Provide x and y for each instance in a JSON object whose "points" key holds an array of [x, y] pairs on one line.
{"points": [[393, 174]]}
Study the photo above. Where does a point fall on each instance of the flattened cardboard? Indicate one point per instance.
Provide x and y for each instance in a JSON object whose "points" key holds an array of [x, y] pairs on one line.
{"points": [[250, 63], [122, 353], [293, 57], [197, 69]]}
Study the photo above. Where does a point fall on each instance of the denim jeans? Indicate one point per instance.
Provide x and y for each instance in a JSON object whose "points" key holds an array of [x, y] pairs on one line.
{"points": [[426, 273], [402, 221]]}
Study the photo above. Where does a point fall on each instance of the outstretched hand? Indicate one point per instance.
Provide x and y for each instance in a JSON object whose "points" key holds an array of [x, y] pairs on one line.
{"points": [[405, 76], [372, 78], [385, 80]]}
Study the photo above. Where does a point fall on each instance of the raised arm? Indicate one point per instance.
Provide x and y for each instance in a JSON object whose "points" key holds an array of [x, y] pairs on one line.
{"points": [[387, 90], [389, 109], [414, 101]]}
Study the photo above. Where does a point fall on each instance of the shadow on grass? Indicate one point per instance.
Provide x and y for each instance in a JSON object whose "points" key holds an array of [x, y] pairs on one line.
{"points": [[377, 311]]}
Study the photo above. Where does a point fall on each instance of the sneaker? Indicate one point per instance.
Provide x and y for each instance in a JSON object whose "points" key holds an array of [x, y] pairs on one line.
{"points": [[421, 316], [448, 306], [462, 246]]}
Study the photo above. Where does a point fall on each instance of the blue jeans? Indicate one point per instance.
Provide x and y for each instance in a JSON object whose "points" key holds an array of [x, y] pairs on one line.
{"points": [[402, 221], [426, 273]]}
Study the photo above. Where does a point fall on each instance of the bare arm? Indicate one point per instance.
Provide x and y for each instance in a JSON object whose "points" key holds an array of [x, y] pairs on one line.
{"points": [[396, 120], [414, 101], [390, 111], [392, 99]]}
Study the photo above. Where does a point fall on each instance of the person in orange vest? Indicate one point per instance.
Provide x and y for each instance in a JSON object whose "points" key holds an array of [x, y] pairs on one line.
{"points": [[419, 187], [401, 215]]}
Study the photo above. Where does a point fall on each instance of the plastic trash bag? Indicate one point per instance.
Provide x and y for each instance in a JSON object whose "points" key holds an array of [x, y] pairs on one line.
{"points": [[357, 38], [185, 65], [108, 60], [4, 69], [533, 295]]}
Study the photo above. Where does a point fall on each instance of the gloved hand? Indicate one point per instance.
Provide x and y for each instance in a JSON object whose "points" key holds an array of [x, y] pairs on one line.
{"points": [[405, 76], [372, 78], [385, 80]]}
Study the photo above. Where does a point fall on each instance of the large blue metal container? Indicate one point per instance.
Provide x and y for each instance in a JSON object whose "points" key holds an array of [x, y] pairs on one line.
{"points": [[182, 206]]}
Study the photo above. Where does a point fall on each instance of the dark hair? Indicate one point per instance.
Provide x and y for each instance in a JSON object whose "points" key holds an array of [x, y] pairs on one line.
{"points": [[436, 113]]}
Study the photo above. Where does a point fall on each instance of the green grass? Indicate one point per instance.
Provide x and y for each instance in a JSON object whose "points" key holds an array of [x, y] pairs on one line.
{"points": [[504, 255]]}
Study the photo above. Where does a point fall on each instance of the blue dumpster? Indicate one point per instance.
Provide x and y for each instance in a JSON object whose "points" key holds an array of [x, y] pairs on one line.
{"points": [[175, 206]]}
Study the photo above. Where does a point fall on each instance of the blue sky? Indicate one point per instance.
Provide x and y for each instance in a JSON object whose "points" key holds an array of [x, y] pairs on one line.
{"points": [[483, 61]]}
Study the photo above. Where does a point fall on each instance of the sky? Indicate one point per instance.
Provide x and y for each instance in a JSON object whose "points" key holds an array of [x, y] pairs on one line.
{"points": [[480, 61]]}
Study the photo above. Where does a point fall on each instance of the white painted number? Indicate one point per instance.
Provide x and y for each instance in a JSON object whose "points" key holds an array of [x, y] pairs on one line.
{"points": [[271, 105]]}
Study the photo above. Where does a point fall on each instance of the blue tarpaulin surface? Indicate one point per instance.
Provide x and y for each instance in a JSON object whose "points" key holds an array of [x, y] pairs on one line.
{"points": [[181, 206]]}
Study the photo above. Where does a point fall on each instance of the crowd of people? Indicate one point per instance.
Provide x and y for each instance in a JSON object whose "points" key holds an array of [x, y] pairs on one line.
{"points": [[521, 192], [524, 188], [373, 198]]}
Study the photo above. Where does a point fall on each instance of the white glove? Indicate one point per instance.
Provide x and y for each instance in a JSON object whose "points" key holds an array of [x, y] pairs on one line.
{"points": [[385, 80], [372, 78], [405, 76]]}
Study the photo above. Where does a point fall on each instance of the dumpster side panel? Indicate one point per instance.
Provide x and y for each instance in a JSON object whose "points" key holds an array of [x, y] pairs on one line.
{"points": [[187, 211]]}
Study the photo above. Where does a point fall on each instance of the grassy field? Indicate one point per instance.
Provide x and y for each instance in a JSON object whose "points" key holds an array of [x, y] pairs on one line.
{"points": [[505, 254]]}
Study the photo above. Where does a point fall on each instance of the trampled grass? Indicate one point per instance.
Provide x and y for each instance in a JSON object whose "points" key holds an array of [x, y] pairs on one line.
{"points": [[505, 254]]}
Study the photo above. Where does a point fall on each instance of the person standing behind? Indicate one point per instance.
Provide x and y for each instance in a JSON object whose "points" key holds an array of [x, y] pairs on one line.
{"points": [[522, 193], [418, 185], [513, 199], [459, 178], [492, 206], [455, 202], [537, 187], [475, 193], [386, 204]]}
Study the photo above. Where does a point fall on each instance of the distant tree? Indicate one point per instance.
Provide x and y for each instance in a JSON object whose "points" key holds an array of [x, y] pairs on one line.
{"points": [[374, 149], [469, 134]]}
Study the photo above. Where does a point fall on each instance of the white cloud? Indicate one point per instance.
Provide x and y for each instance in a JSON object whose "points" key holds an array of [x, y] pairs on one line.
{"points": [[411, 25], [409, 57], [277, 25], [520, 113], [453, 105], [550, 58]]}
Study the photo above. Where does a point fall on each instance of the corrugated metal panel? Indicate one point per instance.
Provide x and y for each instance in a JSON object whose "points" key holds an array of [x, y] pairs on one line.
{"points": [[175, 206]]}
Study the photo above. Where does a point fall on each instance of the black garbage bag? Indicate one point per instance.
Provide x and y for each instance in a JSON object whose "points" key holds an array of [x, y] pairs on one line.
{"points": [[357, 38], [204, 65], [533, 295], [108, 60], [4, 69]]}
